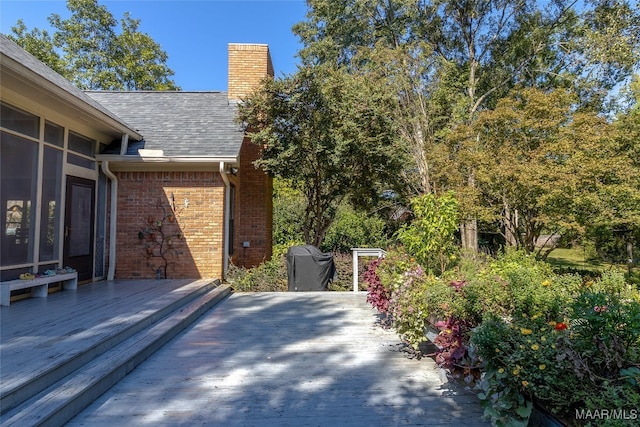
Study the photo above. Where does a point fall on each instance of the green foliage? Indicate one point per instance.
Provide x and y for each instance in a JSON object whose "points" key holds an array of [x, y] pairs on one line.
{"points": [[521, 362], [87, 49], [408, 308], [536, 335], [623, 398], [430, 236], [350, 228], [329, 134], [38, 43], [270, 276], [353, 229], [562, 358], [288, 214], [445, 62]]}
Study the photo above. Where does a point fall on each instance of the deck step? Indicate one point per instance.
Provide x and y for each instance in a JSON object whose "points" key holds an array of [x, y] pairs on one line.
{"points": [[33, 383], [104, 367]]}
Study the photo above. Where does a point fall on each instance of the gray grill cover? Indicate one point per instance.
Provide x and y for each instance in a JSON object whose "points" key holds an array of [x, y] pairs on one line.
{"points": [[308, 269]]}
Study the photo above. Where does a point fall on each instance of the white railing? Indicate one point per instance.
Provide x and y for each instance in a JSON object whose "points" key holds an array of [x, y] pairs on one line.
{"points": [[368, 252]]}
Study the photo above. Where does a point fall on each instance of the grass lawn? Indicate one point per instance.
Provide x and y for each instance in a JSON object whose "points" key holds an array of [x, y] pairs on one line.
{"points": [[574, 258]]}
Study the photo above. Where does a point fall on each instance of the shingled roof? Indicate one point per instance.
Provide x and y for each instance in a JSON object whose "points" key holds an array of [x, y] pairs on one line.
{"points": [[182, 124], [33, 70]]}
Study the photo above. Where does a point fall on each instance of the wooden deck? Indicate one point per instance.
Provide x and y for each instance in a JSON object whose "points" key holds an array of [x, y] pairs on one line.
{"points": [[36, 334], [267, 359]]}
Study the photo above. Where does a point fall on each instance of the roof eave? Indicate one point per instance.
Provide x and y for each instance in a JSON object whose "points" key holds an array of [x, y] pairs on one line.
{"points": [[131, 162], [37, 80]]}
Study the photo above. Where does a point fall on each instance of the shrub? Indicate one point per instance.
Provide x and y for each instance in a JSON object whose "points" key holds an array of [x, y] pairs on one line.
{"points": [[585, 350], [430, 236], [377, 294], [352, 229], [408, 307], [271, 276]]}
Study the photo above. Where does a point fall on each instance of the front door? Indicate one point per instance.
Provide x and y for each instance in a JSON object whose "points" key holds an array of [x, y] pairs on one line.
{"points": [[78, 226]]}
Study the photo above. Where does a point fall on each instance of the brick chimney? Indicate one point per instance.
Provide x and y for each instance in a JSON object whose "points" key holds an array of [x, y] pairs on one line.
{"points": [[248, 65]]}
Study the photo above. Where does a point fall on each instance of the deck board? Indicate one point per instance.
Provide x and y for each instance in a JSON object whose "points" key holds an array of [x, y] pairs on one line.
{"points": [[278, 359], [37, 333]]}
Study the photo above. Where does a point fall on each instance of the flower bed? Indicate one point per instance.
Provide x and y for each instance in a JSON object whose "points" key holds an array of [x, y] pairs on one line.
{"points": [[521, 334]]}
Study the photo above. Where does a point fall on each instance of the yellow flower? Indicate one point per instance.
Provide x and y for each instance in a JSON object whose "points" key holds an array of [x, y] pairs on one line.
{"points": [[525, 383], [521, 347], [543, 338], [525, 331], [542, 367], [546, 283], [497, 350], [552, 323], [535, 316], [535, 347], [501, 371]]}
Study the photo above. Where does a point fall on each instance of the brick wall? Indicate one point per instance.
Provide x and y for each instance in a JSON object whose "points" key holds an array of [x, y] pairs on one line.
{"points": [[248, 65], [254, 209], [147, 196]]}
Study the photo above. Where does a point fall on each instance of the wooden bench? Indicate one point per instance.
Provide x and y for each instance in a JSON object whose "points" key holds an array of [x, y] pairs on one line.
{"points": [[39, 286]]}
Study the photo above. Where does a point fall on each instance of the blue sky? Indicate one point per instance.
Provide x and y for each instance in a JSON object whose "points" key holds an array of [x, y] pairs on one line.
{"points": [[194, 33]]}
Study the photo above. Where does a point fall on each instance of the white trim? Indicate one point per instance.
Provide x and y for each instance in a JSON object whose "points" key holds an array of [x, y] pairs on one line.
{"points": [[37, 223], [112, 219], [124, 145], [358, 252], [116, 158], [227, 198]]}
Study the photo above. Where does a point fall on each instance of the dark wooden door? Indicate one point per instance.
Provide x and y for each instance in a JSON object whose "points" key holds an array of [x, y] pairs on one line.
{"points": [[78, 226]]}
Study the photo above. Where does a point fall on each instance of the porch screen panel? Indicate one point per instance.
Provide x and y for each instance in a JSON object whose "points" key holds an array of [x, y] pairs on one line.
{"points": [[50, 214], [18, 180], [80, 238]]}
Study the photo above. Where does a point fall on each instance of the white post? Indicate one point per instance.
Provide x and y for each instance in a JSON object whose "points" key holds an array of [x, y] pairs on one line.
{"points": [[377, 252], [355, 270]]}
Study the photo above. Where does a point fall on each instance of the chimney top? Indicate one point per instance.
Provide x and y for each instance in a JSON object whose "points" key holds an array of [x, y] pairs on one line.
{"points": [[249, 63]]}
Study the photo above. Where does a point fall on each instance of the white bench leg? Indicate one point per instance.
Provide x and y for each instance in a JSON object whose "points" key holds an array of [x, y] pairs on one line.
{"points": [[70, 284], [5, 296], [40, 291]]}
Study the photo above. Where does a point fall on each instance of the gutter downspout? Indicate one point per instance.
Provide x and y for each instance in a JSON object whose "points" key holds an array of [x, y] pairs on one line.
{"points": [[112, 220], [227, 195]]}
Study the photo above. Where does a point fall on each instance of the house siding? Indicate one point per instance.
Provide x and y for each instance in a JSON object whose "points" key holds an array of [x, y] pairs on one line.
{"points": [[198, 199]]}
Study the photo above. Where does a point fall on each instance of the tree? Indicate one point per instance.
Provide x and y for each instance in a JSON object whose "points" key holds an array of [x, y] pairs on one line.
{"points": [[617, 229], [326, 132], [430, 236], [545, 167], [474, 51], [40, 44], [87, 49]]}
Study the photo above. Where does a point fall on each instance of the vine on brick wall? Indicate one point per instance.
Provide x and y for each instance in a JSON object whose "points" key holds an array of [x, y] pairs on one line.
{"points": [[162, 238]]}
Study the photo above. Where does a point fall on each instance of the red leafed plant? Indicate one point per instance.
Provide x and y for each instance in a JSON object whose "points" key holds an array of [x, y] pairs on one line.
{"points": [[451, 342], [377, 295]]}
